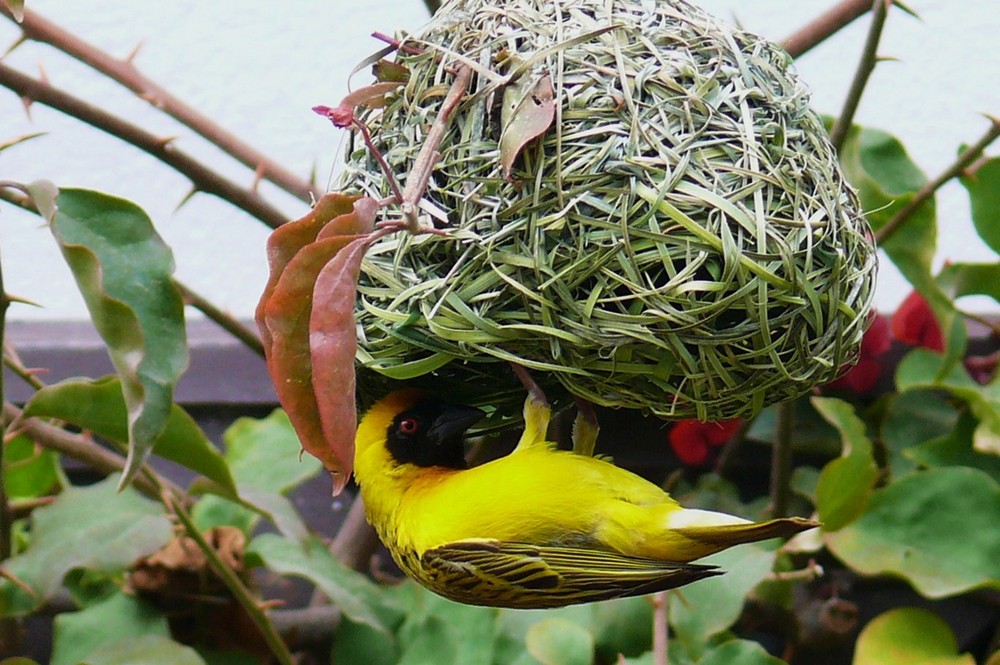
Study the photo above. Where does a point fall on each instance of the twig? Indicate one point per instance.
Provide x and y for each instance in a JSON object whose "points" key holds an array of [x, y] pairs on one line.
{"points": [[24, 507], [726, 459], [306, 628], [993, 326], [9, 633], [356, 541], [40, 29], [201, 176], [84, 450], [423, 165], [781, 461], [869, 58], [237, 588], [968, 156], [811, 572], [825, 25], [12, 361], [6, 525], [661, 612], [226, 321]]}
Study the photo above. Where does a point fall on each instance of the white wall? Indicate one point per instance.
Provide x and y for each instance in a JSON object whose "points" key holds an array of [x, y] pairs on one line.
{"points": [[258, 67]]}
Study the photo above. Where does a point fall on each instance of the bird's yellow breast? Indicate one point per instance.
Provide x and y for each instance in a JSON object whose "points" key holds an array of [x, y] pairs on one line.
{"points": [[537, 496]]}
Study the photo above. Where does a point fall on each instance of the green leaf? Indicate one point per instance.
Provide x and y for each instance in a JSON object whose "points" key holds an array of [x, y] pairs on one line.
{"points": [[844, 487], [264, 458], [265, 453], [924, 369], [429, 642], [971, 279], [29, 470], [911, 418], [93, 527], [351, 591], [98, 406], [17, 660], [713, 605], [112, 248], [77, 634], [214, 657], [355, 642], [622, 626], [279, 510], [842, 416], [813, 434], [908, 636], [983, 186], [937, 529], [805, 480], [954, 448], [146, 649], [877, 164], [844, 483], [560, 642], [475, 627], [739, 652]]}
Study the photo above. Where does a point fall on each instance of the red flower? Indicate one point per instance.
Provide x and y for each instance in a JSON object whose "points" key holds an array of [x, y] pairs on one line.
{"points": [[914, 324], [692, 440], [865, 374]]}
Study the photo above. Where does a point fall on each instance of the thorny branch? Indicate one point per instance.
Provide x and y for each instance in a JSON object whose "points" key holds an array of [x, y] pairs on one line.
{"points": [[202, 177], [83, 449], [968, 156], [825, 25], [869, 58], [123, 71]]}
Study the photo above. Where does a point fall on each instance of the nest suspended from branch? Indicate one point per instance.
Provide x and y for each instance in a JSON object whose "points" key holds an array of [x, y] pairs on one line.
{"points": [[679, 240]]}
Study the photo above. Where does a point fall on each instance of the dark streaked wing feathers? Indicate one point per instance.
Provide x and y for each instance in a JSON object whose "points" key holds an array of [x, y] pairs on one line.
{"points": [[490, 572]]}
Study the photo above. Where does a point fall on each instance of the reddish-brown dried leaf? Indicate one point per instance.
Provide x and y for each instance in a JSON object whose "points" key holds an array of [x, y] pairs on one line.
{"points": [[528, 110], [297, 256], [289, 238], [372, 96], [333, 343]]}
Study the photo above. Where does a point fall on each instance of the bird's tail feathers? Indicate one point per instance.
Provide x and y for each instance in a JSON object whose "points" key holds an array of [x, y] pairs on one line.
{"points": [[746, 532]]}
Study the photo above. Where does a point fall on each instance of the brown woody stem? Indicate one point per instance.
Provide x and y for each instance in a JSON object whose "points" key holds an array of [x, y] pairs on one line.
{"points": [[825, 25]]}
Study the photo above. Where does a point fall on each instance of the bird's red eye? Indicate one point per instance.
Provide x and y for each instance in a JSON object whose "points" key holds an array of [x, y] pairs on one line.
{"points": [[408, 426]]}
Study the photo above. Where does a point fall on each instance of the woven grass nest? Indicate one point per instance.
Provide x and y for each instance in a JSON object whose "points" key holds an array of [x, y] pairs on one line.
{"points": [[680, 240]]}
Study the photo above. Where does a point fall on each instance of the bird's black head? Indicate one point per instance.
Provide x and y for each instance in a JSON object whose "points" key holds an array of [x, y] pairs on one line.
{"points": [[430, 434]]}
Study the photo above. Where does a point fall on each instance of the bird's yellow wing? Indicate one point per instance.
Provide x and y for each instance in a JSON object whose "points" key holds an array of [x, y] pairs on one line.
{"points": [[494, 573]]}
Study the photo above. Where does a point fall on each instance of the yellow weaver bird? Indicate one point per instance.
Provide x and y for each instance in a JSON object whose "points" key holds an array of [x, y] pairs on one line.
{"points": [[538, 528]]}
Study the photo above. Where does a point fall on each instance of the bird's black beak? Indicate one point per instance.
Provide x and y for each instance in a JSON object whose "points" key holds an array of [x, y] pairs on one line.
{"points": [[453, 421]]}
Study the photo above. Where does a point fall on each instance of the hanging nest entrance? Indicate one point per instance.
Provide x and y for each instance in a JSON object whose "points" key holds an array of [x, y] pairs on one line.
{"points": [[677, 238]]}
